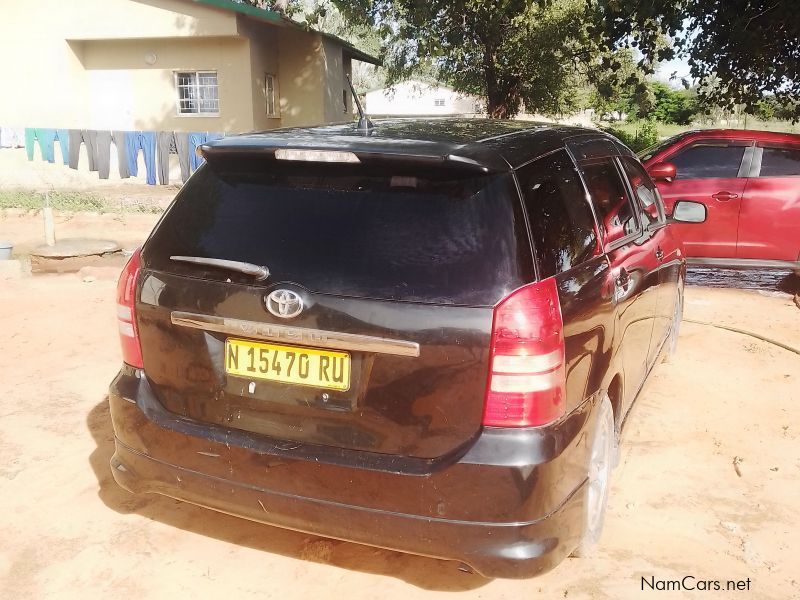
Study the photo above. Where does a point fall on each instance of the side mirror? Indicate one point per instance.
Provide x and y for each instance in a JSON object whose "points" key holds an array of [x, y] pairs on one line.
{"points": [[663, 171], [686, 211]]}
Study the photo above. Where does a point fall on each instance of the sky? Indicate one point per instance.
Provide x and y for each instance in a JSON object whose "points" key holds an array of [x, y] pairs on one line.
{"points": [[678, 66]]}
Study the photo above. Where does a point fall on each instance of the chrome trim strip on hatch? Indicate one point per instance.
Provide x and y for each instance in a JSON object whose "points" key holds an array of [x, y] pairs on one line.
{"points": [[317, 338]]}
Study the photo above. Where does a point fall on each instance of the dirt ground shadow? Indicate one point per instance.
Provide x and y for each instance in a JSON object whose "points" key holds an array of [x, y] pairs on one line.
{"points": [[422, 572]]}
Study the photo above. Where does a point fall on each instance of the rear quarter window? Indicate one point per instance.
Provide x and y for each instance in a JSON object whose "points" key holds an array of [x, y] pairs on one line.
{"points": [[561, 221], [352, 230], [645, 193], [780, 162], [615, 213]]}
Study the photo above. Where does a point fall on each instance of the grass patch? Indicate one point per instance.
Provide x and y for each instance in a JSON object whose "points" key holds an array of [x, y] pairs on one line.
{"points": [[71, 201]]}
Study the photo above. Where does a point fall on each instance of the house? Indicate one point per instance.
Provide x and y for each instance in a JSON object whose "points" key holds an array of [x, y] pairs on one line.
{"points": [[415, 97], [168, 65]]}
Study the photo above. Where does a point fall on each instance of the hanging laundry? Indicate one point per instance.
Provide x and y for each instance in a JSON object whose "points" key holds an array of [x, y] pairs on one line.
{"points": [[62, 136], [12, 137], [146, 142], [195, 141], [118, 137], [170, 142], [30, 140], [46, 139], [78, 137], [102, 158]]}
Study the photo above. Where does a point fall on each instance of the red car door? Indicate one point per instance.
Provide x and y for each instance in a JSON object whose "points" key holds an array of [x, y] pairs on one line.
{"points": [[769, 218], [710, 171]]}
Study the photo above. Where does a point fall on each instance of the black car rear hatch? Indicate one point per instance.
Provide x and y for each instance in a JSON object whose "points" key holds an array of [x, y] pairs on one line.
{"points": [[371, 330]]}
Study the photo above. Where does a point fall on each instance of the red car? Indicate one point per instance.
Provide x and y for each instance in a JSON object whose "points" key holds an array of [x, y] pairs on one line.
{"points": [[750, 184]]}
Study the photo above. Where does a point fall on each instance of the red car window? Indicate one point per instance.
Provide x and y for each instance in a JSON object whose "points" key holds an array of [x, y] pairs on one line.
{"points": [[780, 162], [709, 159], [614, 211], [645, 191]]}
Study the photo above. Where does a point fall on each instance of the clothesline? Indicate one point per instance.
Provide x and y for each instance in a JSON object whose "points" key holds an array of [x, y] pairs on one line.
{"points": [[155, 146]]}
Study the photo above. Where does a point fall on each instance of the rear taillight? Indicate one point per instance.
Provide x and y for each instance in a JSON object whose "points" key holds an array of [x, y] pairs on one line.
{"points": [[126, 312], [527, 375]]}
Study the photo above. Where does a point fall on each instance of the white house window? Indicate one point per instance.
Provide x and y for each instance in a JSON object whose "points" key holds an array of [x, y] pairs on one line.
{"points": [[269, 94], [198, 92], [438, 102]]}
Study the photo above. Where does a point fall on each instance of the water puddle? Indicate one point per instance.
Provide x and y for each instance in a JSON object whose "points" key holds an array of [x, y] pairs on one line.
{"points": [[767, 280]]}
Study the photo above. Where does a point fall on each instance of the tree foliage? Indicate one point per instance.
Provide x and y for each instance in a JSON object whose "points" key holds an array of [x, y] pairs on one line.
{"points": [[740, 50], [510, 52], [670, 105]]}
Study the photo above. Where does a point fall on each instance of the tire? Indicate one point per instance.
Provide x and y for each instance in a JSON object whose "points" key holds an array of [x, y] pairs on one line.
{"points": [[602, 461], [677, 317]]}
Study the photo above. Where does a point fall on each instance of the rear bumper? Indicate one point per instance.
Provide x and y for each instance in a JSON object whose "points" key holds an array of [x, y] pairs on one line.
{"points": [[507, 507]]}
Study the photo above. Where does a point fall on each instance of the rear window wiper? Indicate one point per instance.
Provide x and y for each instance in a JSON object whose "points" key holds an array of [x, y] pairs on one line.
{"points": [[259, 272]]}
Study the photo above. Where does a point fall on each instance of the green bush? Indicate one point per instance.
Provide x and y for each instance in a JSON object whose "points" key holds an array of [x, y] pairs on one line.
{"points": [[70, 201], [645, 136]]}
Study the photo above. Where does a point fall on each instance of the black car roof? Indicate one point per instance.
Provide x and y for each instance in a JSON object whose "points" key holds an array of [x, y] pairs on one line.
{"points": [[495, 145]]}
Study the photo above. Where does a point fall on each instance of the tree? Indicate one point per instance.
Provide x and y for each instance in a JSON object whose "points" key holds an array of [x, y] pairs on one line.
{"points": [[749, 48], [511, 52], [671, 105]]}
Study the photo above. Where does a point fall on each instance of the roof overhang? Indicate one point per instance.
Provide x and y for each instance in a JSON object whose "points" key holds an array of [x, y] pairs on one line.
{"points": [[262, 14], [275, 18]]}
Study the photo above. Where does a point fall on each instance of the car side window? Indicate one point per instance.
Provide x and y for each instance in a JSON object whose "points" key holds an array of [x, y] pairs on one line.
{"points": [[780, 162], [612, 205], [709, 159], [645, 193], [561, 221]]}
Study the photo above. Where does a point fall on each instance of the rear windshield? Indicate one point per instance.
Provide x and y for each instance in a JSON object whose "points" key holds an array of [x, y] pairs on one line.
{"points": [[353, 230]]}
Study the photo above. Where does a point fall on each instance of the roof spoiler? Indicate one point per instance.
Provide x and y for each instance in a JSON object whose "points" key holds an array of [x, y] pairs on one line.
{"points": [[322, 154]]}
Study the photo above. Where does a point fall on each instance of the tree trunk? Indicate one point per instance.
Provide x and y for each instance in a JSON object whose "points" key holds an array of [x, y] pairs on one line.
{"points": [[503, 99], [495, 107]]}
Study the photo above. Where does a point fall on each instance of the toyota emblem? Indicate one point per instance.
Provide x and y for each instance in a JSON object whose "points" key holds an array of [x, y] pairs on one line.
{"points": [[284, 303]]}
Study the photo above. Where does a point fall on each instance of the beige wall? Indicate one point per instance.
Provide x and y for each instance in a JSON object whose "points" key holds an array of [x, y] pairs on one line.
{"points": [[302, 75], [70, 71], [152, 95], [336, 67], [82, 64], [264, 58], [116, 19]]}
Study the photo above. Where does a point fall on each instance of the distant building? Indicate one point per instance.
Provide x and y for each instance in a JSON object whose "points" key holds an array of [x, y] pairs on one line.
{"points": [[414, 97], [168, 65]]}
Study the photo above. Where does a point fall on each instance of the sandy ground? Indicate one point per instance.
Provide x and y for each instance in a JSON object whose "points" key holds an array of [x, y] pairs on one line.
{"points": [[677, 505], [25, 229]]}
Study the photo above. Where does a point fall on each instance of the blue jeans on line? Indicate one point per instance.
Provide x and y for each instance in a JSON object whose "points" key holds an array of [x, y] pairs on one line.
{"points": [[146, 142], [196, 140]]}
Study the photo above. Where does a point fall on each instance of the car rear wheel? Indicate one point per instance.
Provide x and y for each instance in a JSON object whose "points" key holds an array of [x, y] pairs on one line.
{"points": [[603, 458]]}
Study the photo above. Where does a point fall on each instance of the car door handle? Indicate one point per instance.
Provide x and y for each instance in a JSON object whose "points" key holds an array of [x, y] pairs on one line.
{"points": [[659, 253], [724, 196]]}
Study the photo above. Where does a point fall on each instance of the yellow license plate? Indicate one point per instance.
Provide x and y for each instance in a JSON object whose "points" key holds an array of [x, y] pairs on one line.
{"points": [[288, 364]]}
